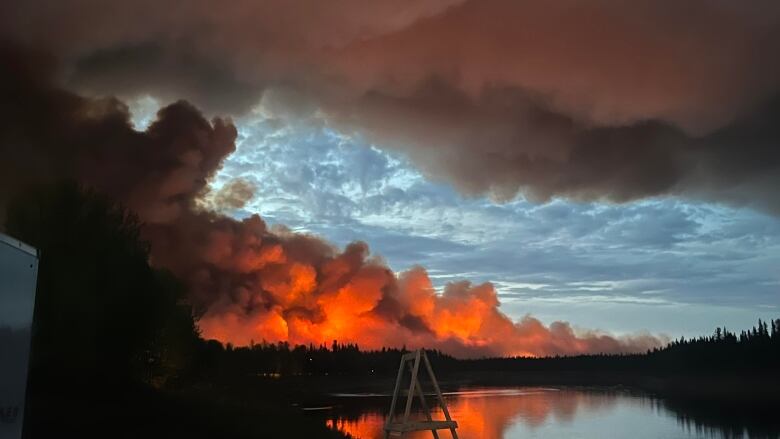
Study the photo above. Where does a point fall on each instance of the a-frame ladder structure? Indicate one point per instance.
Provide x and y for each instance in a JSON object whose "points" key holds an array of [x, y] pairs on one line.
{"points": [[397, 428]]}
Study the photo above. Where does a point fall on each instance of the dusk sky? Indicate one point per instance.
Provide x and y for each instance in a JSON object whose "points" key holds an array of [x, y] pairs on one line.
{"points": [[613, 165]]}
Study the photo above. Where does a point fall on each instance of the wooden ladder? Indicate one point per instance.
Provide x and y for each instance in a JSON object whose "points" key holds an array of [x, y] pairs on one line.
{"points": [[399, 428]]}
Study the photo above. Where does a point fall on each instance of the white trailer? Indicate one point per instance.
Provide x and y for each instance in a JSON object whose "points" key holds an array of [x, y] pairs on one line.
{"points": [[18, 278]]}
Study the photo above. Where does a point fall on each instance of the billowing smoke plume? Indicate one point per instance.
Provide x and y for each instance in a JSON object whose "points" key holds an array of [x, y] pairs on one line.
{"points": [[247, 281], [587, 100]]}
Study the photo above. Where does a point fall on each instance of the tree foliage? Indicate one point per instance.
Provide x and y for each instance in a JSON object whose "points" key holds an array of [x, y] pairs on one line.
{"points": [[102, 313]]}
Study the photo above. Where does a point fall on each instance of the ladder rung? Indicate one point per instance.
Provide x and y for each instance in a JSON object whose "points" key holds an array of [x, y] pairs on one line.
{"points": [[421, 426]]}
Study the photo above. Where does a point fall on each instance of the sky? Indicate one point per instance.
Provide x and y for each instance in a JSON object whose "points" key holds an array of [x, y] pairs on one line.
{"points": [[485, 176]]}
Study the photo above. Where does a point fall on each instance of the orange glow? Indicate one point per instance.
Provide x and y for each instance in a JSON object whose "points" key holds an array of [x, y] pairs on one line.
{"points": [[488, 415], [299, 289], [368, 426]]}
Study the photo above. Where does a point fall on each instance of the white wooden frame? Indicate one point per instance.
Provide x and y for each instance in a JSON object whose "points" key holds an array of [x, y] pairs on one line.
{"points": [[392, 427]]}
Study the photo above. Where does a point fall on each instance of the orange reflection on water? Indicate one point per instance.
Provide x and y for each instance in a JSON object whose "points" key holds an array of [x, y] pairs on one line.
{"points": [[368, 426], [488, 414]]}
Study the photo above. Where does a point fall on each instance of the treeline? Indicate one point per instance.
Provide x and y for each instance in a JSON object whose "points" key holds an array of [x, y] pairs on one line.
{"points": [[101, 310], [757, 349], [280, 359], [754, 349]]}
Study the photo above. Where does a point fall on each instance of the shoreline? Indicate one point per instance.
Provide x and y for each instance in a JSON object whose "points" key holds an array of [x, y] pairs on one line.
{"points": [[757, 390]]}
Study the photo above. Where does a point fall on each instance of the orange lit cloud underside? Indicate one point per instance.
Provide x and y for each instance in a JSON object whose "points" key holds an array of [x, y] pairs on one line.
{"points": [[320, 295]]}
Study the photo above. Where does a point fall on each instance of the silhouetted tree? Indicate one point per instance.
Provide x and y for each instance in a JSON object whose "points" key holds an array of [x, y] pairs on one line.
{"points": [[722, 352], [102, 313]]}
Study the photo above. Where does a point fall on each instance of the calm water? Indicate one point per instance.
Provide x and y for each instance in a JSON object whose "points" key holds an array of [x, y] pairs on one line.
{"points": [[549, 413]]}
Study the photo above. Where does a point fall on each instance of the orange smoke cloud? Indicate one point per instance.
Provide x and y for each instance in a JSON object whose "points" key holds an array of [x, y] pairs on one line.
{"points": [[299, 289]]}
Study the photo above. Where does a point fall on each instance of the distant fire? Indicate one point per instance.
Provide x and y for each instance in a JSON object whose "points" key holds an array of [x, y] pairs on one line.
{"points": [[296, 288]]}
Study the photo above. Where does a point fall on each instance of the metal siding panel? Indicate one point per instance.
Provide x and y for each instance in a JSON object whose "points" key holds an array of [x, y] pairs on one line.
{"points": [[18, 278]]}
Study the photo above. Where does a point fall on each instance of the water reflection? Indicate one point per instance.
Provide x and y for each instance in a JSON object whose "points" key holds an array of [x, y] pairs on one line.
{"points": [[545, 413]]}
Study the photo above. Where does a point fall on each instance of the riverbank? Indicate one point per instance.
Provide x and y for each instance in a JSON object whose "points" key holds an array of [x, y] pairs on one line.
{"points": [[759, 388], [195, 412]]}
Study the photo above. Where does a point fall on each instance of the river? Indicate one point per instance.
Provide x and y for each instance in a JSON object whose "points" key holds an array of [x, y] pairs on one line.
{"points": [[552, 413]]}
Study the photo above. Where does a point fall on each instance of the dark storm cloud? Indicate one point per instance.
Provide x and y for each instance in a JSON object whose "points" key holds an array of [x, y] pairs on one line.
{"points": [[169, 75], [507, 143], [588, 100], [48, 134]]}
